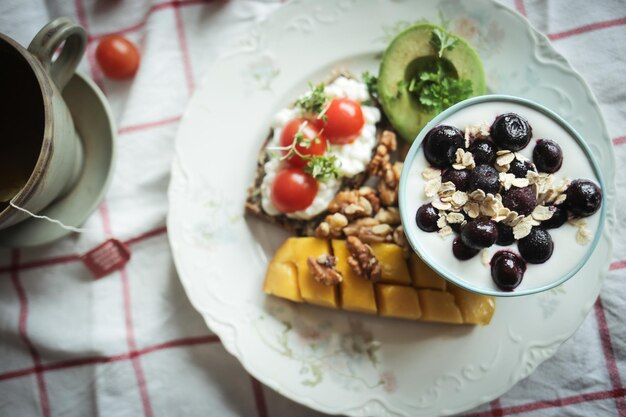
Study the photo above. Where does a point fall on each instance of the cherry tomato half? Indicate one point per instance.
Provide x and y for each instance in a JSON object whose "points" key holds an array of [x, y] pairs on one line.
{"points": [[118, 57], [344, 121], [293, 190], [311, 131]]}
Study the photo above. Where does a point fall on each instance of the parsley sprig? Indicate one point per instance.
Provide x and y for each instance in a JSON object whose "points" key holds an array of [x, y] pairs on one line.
{"points": [[320, 167], [315, 101], [442, 41], [371, 81], [435, 89]]}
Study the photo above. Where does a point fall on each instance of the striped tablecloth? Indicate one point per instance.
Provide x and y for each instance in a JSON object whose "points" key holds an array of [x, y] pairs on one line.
{"points": [[130, 344]]}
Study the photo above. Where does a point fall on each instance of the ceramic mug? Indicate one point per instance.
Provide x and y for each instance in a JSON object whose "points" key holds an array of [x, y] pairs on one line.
{"points": [[40, 151]]}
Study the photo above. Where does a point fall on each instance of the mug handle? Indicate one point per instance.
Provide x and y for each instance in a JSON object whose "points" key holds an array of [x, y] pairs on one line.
{"points": [[49, 38]]}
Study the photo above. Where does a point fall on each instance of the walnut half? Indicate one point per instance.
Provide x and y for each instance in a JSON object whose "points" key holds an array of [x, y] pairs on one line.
{"points": [[362, 259], [324, 270]]}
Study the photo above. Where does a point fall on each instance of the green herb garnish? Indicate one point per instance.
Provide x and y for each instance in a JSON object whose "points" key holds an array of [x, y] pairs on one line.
{"points": [[322, 167], [371, 81], [314, 101], [442, 41], [437, 91]]}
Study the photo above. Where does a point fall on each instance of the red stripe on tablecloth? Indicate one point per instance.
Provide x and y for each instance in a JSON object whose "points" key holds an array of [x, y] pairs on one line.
{"points": [[521, 7], [148, 125], [184, 48], [559, 402], [81, 14], [73, 363], [72, 258], [619, 141], [151, 10], [588, 28], [22, 330], [147, 235], [609, 356], [496, 408], [259, 397], [617, 265], [106, 219], [132, 345]]}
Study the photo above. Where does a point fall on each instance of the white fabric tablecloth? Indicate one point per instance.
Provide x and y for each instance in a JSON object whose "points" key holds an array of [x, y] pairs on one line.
{"points": [[130, 344]]}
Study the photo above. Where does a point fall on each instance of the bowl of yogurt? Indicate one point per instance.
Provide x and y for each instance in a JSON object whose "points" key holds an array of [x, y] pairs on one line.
{"points": [[501, 196]]}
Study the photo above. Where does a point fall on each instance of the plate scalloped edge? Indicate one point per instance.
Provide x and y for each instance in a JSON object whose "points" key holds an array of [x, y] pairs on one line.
{"points": [[545, 54]]}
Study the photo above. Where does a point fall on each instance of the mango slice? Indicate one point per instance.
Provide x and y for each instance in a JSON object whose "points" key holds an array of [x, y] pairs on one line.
{"points": [[439, 306], [281, 278], [423, 276], [357, 293], [398, 301], [393, 265], [475, 308], [420, 294], [312, 291]]}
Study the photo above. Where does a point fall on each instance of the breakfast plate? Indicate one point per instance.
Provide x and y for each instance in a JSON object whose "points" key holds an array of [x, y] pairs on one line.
{"points": [[349, 363]]}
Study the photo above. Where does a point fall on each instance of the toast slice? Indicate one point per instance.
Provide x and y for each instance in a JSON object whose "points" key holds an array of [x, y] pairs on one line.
{"points": [[300, 227]]}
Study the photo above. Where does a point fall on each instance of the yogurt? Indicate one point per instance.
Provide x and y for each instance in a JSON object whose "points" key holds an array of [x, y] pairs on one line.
{"points": [[473, 274]]}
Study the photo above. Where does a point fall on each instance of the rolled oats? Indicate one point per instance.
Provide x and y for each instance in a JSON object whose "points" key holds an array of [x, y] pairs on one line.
{"points": [[504, 157], [522, 228], [429, 173], [464, 160], [541, 213], [445, 231]]}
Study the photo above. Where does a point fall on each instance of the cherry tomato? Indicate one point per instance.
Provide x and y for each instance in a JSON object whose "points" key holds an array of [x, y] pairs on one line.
{"points": [[293, 190], [118, 57], [344, 121], [311, 131]]}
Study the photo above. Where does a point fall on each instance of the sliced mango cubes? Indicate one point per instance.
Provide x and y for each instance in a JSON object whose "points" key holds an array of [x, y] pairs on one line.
{"points": [[413, 291]]}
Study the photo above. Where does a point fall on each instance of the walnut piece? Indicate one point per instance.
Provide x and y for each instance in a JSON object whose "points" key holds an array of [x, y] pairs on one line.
{"points": [[381, 160], [324, 270], [355, 203], [362, 259], [332, 226], [388, 186]]}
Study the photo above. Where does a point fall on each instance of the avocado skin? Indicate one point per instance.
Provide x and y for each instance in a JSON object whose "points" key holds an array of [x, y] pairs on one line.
{"points": [[405, 113]]}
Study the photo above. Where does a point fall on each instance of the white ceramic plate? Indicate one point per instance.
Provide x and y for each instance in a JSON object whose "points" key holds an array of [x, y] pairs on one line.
{"points": [[338, 362]]}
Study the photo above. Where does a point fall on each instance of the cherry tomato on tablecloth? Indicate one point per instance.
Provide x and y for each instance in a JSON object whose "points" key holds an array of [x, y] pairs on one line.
{"points": [[311, 132], [344, 121], [293, 190], [118, 57]]}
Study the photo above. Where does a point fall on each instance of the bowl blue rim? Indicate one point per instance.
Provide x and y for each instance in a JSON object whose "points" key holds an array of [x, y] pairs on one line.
{"points": [[408, 217]]}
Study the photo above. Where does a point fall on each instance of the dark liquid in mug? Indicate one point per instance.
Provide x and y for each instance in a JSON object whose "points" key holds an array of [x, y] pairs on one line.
{"points": [[21, 121]]}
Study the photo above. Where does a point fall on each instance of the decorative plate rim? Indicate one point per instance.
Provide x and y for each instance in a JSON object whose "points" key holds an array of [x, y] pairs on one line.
{"points": [[376, 403]]}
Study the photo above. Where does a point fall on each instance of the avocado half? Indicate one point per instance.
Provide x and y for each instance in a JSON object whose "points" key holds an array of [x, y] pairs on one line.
{"points": [[409, 53]]}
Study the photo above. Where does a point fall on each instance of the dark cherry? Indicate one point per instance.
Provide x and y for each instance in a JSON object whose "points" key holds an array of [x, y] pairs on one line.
{"points": [[511, 131], [507, 270], [479, 234], [520, 169], [537, 247], [484, 177], [558, 218], [426, 218], [440, 145], [505, 234], [462, 251], [547, 156], [584, 198], [521, 200], [484, 151], [460, 178]]}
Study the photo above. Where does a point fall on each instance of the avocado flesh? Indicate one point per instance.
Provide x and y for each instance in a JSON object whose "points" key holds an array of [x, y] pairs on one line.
{"points": [[412, 49]]}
